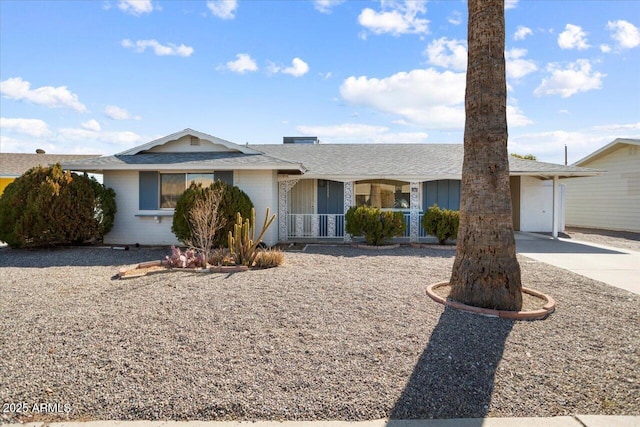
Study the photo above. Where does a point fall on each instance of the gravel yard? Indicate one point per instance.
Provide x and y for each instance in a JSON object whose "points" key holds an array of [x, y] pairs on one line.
{"points": [[335, 333], [618, 239]]}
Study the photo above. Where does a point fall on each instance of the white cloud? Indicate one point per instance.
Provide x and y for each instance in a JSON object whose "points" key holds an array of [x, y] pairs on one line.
{"points": [[223, 9], [116, 113], [522, 32], [396, 18], [52, 97], [625, 33], [298, 68], [326, 6], [605, 48], [516, 117], [361, 133], [32, 127], [573, 37], [242, 64], [510, 4], [448, 53], [577, 77], [159, 49], [136, 7], [455, 18], [517, 66], [76, 135], [92, 125], [426, 98]]}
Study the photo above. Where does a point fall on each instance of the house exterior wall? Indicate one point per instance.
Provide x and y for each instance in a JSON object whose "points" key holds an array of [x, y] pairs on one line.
{"points": [[609, 201], [129, 228], [183, 145], [536, 205], [4, 182], [262, 189]]}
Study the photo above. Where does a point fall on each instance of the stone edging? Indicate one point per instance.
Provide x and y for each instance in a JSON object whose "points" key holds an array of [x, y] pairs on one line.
{"points": [[542, 313], [122, 273], [376, 248], [432, 246]]}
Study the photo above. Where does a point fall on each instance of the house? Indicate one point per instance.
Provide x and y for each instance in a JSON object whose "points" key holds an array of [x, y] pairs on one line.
{"points": [[612, 200], [12, 165], [309, 185]]}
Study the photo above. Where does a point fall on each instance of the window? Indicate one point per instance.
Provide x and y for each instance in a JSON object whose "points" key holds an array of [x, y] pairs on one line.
{"points": [[383, 193], [172, 185]]}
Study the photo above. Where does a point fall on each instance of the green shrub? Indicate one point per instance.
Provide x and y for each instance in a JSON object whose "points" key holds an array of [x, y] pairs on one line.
{"points": [[375, 225], [49, 206], [441, 223], [233, 201]]}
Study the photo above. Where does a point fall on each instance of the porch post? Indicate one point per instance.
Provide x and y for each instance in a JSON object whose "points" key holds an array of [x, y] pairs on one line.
{"points": [[554, 227], [283, 207], [349, 200], [414, 212]]}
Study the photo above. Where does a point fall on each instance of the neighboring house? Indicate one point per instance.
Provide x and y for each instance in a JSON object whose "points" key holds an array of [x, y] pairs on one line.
{"points": [[309, 185], [612, 200], [12, 165]]}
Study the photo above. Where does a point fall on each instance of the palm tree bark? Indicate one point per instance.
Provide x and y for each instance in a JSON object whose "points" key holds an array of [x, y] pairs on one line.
{"points": [[486, 272]]}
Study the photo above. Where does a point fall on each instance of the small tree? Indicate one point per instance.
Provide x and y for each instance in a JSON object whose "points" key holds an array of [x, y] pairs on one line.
{"points": [[526, 156], [441, 223], [375, 225], [205, 220], [233, 200]]}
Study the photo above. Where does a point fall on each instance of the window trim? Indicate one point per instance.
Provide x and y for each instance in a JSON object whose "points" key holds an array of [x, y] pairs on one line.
{"points": [[405, 210]]}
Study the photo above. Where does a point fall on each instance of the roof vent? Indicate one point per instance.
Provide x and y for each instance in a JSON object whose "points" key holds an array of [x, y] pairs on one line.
{"points": [[300, 140], [40, 151], [195, 140]]}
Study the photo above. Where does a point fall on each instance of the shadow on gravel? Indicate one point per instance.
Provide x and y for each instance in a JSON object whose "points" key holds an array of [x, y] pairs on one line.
{"points": [[352, 252], [551, 246], [78, 256], [455, 374]]}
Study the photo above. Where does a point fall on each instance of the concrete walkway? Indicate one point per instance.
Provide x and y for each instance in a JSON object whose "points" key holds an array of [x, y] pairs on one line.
{"points": [[613, 266], [569, 421]]}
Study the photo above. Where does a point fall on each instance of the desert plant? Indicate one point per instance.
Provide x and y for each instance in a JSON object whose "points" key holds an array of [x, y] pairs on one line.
{"points": [[375, 225], [187, 259], [242, 242], [233, 200], [268, 258], [205, 220], [49, 206], [221, 256], [441, 223]]}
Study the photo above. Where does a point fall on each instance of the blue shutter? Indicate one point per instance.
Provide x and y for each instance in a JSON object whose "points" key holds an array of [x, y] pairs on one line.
{"points": [[454, 195], [148, 191], [224, 176]]}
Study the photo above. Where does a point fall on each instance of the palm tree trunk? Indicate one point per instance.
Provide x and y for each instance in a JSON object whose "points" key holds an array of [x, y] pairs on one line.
{"points": [[486, 272]]}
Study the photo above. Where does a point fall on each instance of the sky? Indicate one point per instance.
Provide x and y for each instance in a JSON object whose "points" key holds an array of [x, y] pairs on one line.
{"points": [[85, 77]]}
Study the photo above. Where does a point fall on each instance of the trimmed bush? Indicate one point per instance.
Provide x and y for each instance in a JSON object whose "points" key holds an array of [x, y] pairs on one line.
{"points": [[441, 223], [268, 258], [375, 225], [48, 206], [233, 201]]}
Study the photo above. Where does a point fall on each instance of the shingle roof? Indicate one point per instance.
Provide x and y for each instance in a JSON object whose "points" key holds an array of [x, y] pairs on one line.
{"points": [[15, 164], [420, 160], [213, 160]]}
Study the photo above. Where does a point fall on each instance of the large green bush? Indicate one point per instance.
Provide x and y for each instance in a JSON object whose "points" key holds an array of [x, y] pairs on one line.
{"points": [[441, 223], [375, 225], [234, 200], [49, 206]]}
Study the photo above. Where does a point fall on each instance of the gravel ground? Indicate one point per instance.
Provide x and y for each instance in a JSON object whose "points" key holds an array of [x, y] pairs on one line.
{"points": [[618, 239], [335, 333]]}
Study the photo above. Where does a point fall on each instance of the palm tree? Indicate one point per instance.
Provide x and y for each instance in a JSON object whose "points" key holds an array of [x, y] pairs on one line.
{"points": [[486, 272]]}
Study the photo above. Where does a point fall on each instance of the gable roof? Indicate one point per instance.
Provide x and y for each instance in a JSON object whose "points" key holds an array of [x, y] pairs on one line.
{"points": [[400, 161], [15, 164], [187, 132], [601, 152]]}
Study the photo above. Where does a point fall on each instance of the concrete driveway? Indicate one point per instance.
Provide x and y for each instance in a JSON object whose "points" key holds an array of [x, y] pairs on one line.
{"points": [[616, 267]]}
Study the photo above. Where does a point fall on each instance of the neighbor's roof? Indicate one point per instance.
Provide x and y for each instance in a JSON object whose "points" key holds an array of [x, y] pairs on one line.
{"points": [[424, 161], [185, 161], [607, 149], [15, 164]]}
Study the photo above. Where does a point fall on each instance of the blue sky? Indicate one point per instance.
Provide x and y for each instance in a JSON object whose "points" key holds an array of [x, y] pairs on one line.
{"points": [[104, 76]]}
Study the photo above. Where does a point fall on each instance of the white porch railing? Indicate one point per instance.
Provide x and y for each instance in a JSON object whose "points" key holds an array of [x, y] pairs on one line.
{"points": [[315, 225]]}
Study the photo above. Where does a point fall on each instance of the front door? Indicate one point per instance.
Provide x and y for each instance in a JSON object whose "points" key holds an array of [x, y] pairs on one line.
{"points": [[330, 202]]}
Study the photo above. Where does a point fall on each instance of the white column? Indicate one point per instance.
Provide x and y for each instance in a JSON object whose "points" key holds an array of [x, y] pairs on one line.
{"points": [[283, 207], [556, 205], [349, 200], [414, 211]]}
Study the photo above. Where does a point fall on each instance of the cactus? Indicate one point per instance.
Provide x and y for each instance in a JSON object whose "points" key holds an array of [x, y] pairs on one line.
{"points": [[242, 241]]}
